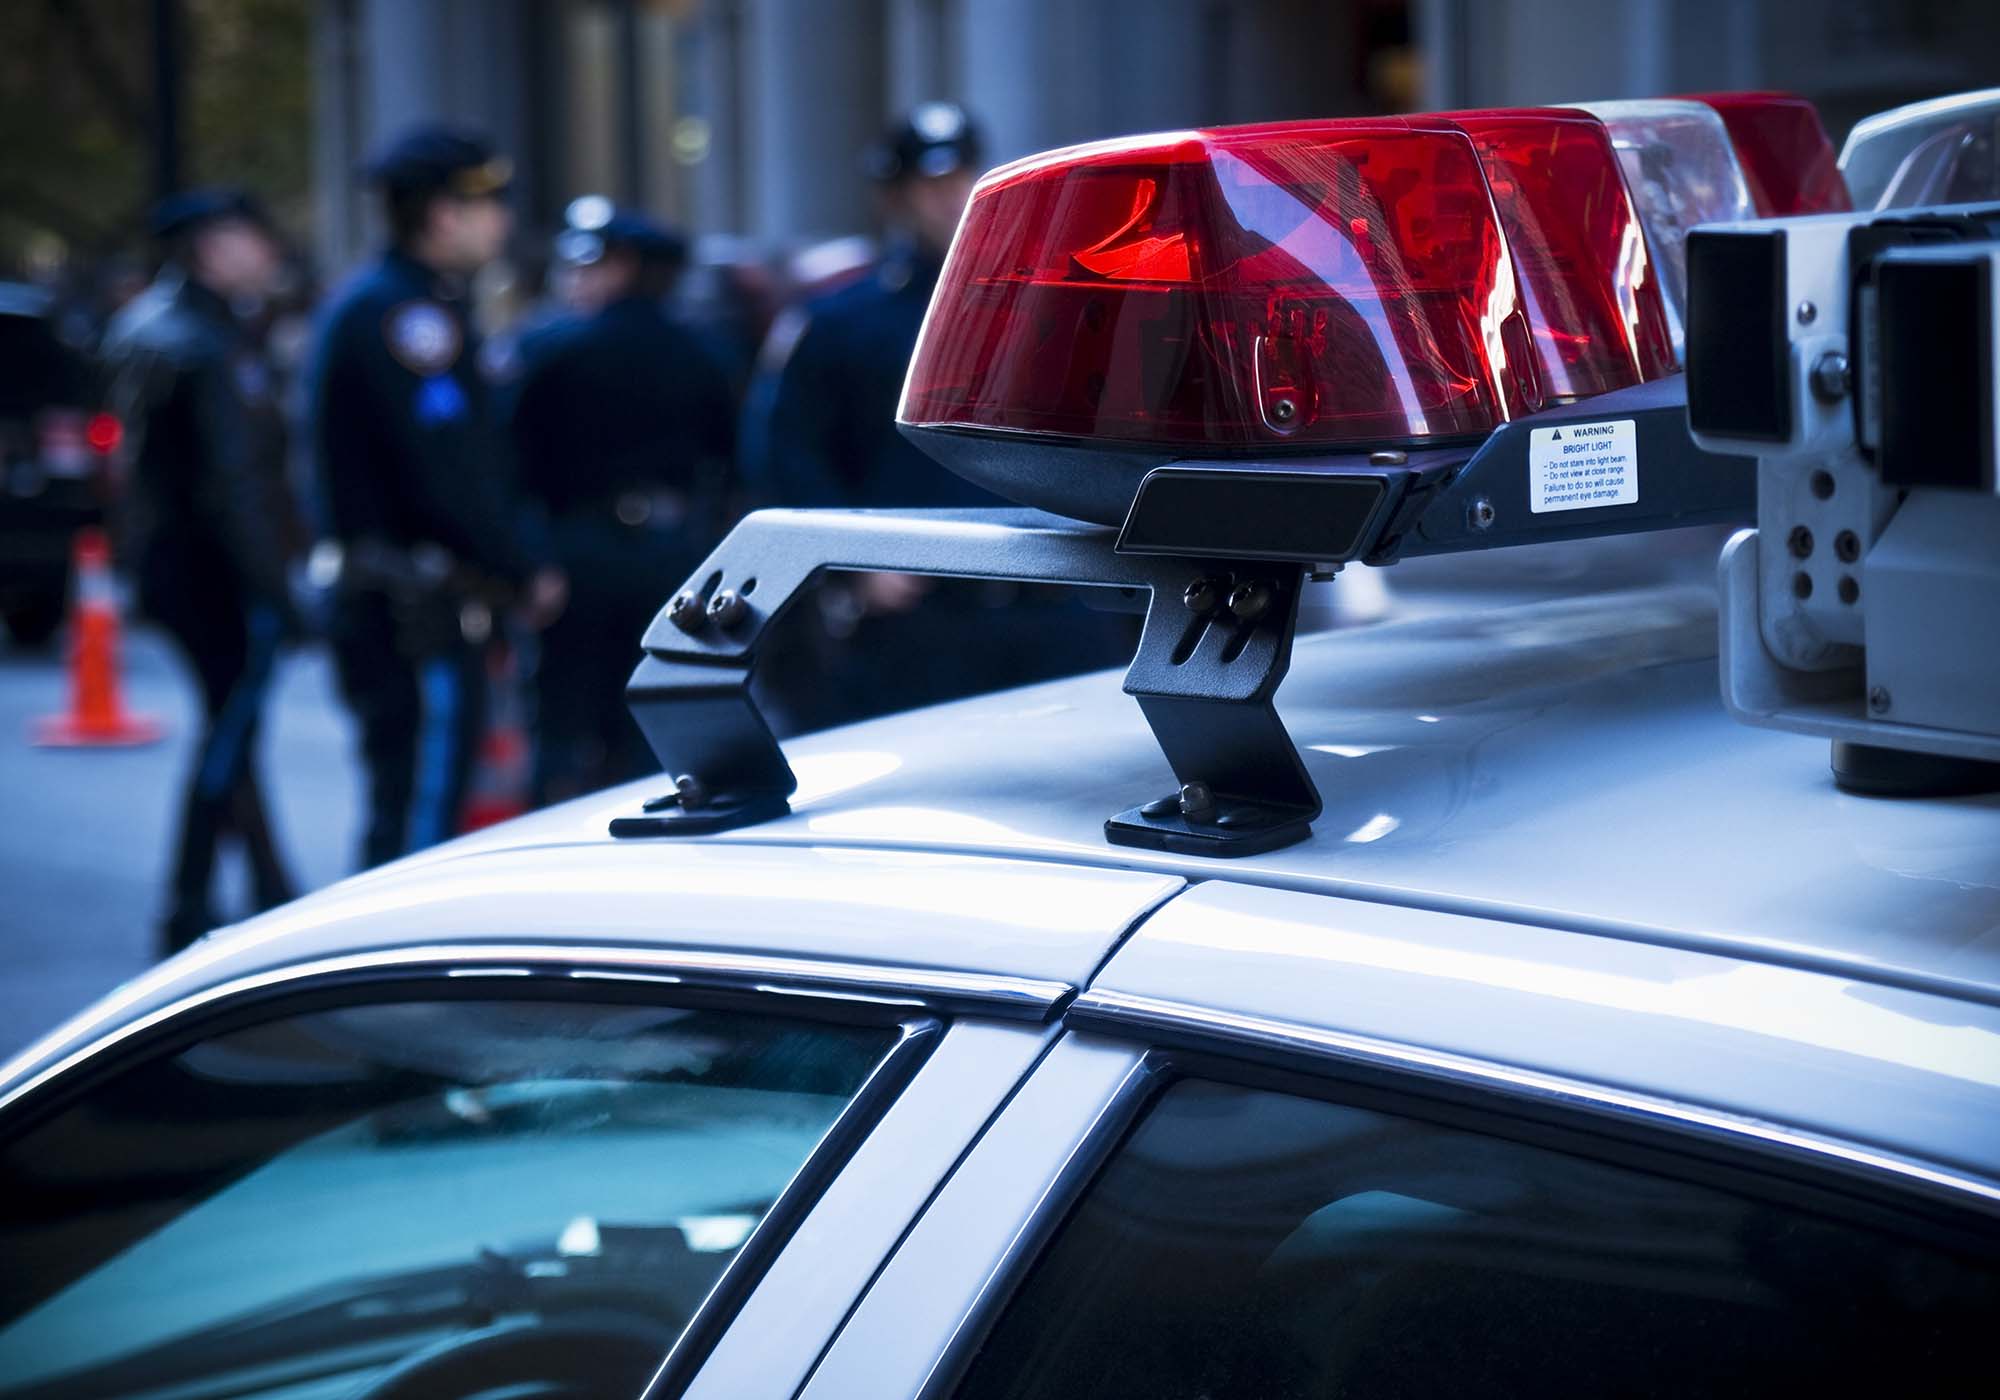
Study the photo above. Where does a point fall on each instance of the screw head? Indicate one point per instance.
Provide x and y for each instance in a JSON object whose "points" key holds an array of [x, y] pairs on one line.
{"points": [[1830, 378], [727, 608], [1808, 313], [1284, 411], [1250, 601], [1200, 596], [1878, 700], [1480, 515], [1388, 458], [685, 613], [1197, 802], [693, 792]]}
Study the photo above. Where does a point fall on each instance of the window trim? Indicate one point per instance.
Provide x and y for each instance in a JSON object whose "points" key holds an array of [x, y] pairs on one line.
{"points": [[812, 986], [897, 1171], [1049, 1141], [1605, 1111], [913, 1002], [753, 1259]]}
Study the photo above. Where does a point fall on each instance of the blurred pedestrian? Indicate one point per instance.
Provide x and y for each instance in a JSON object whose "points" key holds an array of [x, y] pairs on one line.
{"points": [[623, 428], [413, 488], [206, 515], [822, 429]]}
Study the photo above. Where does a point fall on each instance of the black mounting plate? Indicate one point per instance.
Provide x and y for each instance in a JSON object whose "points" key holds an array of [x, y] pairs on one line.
{"points": [[1216, 642], [1488, 502]]}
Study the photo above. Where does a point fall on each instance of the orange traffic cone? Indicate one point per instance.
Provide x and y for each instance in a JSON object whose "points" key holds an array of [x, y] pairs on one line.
{"points": [[498, 788], [97, 716]]}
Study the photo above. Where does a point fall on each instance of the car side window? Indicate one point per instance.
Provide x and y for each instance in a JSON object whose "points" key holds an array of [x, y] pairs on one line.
{"points": [[416, 1198], [1243, 1243]]}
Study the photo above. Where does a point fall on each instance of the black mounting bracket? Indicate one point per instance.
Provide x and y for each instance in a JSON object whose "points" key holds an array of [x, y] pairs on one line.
{"points": [[1487, 502], [1216, 642]]}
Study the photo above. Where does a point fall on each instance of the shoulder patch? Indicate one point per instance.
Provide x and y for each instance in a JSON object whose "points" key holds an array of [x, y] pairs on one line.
{"points": [[439, 400], [423, 337]]}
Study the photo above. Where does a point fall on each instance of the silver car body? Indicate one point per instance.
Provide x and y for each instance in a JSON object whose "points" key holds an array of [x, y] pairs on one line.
{"points": [[1550, 871]]}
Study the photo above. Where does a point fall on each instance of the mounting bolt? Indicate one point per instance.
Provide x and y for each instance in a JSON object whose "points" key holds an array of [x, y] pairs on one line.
{"points": [[691, 791], [1878, 700], [1283, 411], [1480, 515], [1197, 802], [1808, 313], [727, 608], [1250, 601], [1389, 458], [1830, 378], [685, 613], [1200, 596]]}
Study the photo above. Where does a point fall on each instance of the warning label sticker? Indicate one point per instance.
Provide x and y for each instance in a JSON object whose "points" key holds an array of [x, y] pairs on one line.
{"points": [[1581, 465]]}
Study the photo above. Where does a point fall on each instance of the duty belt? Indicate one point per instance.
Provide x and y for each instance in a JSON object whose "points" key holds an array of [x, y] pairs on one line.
{"points": [[431, 591]]}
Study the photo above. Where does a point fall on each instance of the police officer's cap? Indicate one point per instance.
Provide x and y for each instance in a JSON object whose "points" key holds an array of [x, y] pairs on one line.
{"points": [[181, 214], [933, 138], [443, 160], [597, 229]]}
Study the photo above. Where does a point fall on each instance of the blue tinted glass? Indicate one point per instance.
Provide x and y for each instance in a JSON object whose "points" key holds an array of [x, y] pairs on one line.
{"points": [[411, 1196], [1245, 1245]]}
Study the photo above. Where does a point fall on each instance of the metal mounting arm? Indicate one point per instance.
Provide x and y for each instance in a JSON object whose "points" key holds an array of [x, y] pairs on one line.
{"points": [[1217, 641]]}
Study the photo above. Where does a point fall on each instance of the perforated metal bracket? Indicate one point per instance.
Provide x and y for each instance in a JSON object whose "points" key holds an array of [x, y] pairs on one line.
{"points": [[1216, 642]]}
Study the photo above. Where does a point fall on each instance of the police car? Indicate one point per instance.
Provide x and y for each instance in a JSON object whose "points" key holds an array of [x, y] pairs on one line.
{"points": [[1494, 1011]]}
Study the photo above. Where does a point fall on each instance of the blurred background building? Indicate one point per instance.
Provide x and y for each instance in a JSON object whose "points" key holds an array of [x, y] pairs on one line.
{"points": [[744, 117]]}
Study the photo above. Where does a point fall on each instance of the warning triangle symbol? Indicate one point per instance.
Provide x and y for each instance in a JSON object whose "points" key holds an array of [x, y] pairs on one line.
{"points": [[1558, 437]]}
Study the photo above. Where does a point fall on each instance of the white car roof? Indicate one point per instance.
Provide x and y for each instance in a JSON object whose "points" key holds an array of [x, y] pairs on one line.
{"points": [[1544, 844], [1566, 764]]}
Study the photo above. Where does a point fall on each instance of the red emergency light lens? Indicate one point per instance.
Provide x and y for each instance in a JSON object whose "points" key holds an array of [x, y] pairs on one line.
{"points": [[1788, 161], [104, 433], [1593, 298], [1238, 290]]}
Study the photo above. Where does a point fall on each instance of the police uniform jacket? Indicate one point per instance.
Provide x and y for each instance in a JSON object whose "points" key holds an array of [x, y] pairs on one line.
{"points": [[206, 502], [404, 443], [828, 437], [621, 401]]}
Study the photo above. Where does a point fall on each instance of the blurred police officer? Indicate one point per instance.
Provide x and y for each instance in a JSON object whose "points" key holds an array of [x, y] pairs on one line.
{"points": [[413, 488], [820, 431], [205, 516], [830, 438], [623, 429]]}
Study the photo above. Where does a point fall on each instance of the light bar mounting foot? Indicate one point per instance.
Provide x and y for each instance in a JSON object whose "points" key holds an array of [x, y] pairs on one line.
{"points": [[1217, 641]]}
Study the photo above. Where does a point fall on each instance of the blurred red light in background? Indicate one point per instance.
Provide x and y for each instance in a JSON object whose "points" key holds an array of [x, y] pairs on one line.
{"points": [[104, 433]]}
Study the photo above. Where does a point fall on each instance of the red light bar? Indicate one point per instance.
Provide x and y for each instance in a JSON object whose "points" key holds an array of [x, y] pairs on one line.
{"points": [[1788, 161], [1593, 297], [1241, 290]]}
